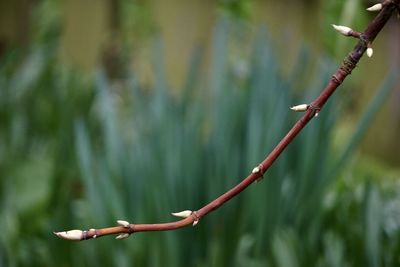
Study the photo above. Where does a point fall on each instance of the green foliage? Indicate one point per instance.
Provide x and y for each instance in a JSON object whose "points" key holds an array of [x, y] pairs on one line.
{"points": [[348, 13], [82, 152], [239, 9]]}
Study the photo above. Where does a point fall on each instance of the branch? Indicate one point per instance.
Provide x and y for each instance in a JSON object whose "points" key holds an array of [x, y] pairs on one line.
{"points": [[125, 229]]}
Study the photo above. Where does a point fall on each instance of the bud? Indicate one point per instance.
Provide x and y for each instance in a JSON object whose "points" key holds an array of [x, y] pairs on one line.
{"points": [[182, 214], [370, 51], [195, 222], [75, 235], [376, 7], [123, 223], [256, 170], [122, 236], [342, 29], [300, 108]]}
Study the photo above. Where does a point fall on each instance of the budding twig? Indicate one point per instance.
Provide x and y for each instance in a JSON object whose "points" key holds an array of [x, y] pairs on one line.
{"points": [[346, 31], [125, 229]]}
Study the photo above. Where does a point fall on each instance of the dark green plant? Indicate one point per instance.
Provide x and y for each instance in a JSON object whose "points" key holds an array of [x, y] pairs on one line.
{"points": [[83, 151], [387, 9]]}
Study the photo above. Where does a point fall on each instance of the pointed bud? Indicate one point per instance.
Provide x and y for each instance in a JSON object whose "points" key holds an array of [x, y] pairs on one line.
{"points": [[123, 223], [182, 214], [300, 108], [342, 29], [122, 236], [370, 51], [376, 7], [256, 170], [75, 235], [195, 222]]}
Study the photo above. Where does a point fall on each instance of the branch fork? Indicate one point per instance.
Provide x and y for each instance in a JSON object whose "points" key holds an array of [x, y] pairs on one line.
{"points": [[125, 229]]}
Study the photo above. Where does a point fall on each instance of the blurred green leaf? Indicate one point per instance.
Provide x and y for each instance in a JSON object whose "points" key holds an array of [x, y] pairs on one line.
{"points": [[80, 151]]}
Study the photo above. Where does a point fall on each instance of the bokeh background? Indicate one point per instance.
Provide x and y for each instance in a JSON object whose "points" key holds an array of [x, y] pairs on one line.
{"points": [[132, 109]]}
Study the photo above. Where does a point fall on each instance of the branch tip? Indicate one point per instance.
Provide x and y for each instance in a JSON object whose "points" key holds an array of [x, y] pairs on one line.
{"points": [[74, 235]]}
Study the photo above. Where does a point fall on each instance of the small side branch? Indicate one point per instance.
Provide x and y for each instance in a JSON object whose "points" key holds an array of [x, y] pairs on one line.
{"points": [[124, 229]]}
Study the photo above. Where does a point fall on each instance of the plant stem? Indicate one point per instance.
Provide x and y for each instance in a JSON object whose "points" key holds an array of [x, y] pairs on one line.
{"points": [[349, 63]]}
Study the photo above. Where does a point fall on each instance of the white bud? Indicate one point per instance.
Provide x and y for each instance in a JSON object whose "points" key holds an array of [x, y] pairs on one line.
{"points": [[70, 235], [123, 223], [182, 214], [300, 108], [370, 51], [256, 170], [342, 29], [376, 7], [195, 222], [122, 236]]}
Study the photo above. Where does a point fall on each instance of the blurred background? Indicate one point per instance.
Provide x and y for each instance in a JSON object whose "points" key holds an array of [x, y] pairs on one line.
{"points": [[133, 109]]}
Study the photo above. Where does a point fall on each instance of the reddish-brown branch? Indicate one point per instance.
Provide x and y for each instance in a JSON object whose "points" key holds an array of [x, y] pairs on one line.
{"points": [[349, 63]]}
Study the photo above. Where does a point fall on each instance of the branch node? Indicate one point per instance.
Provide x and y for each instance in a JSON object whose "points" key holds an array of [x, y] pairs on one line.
{"points": [[259, 169], [196, 218], [336, 79], [126, 225], [349, 63], [315, 110], [390, 2], [364, 40]]}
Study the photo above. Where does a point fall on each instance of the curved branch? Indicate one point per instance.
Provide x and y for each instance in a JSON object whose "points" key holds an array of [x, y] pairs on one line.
{"points": [[387, 8]]}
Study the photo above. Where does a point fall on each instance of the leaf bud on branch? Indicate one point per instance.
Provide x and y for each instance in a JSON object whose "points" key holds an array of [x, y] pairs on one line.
{"points": [[125, 229]]}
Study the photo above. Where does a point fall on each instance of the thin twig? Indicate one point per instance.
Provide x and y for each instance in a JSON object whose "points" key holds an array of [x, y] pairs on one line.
{"points": [[387, 8]]}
